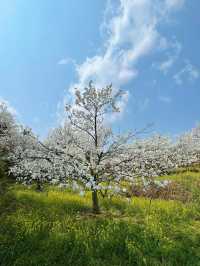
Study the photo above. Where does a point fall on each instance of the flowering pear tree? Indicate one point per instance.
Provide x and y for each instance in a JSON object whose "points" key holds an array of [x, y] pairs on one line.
{"points": [[195, 134], [96, 157], [152, 157], [9, 136], [9, 130], [28, 160], [36, 162], [85, 152], [188, 147]]}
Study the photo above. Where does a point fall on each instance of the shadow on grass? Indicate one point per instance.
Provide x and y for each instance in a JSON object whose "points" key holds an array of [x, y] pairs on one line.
{"points": [[50, 204]]}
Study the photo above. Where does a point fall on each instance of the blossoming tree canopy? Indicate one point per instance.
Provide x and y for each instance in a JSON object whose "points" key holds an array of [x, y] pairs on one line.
{"points": [[30, 159], [188, 147], [102, 156], [86, 154], [153, 156], [9, 130]]}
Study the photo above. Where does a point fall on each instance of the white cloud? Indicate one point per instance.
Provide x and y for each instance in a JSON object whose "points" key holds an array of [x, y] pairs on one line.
{"points": [[174, 3], [165, 99], [188, 73], [175, 48], [117, 64], [65, 61], [131, 32], [166, 65]]}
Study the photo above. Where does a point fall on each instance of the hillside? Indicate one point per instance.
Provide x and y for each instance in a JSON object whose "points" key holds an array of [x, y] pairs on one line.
{"points": [[57, 228]]}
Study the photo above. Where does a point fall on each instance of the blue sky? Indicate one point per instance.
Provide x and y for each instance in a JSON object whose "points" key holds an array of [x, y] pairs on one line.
{"points": [[148, 47]]}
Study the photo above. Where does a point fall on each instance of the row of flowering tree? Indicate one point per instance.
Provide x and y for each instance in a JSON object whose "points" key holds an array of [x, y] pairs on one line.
{"points": [[86, 153]]}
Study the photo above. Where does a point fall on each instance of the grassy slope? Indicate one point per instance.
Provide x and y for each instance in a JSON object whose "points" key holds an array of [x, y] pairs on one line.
{"points": [[57, 228]]}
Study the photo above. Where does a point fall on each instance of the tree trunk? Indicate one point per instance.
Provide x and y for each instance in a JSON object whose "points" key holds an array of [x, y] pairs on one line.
{"points": [[39, 187], [95, 202]]}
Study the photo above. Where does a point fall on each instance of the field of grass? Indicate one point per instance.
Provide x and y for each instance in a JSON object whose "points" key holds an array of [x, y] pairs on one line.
{"points": [[57, 228]]}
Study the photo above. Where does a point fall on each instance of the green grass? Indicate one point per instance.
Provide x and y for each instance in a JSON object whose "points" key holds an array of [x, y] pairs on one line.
{"points": [[57, 228]]}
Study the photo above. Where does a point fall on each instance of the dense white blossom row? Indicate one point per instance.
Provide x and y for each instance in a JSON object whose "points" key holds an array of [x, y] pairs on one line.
{"points": [[86, 154]]}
